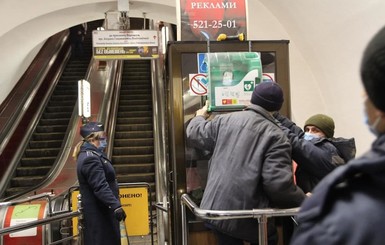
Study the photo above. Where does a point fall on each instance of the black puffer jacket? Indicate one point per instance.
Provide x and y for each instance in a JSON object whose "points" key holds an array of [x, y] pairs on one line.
{"points": [[348, 205], [250, 167], [315, 158]]}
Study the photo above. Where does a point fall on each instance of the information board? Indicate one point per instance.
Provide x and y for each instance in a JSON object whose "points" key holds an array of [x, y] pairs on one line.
{"points": [[125, 44]]}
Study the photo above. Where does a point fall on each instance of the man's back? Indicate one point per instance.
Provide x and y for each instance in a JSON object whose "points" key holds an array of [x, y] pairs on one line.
{"points": [[250, 166]]}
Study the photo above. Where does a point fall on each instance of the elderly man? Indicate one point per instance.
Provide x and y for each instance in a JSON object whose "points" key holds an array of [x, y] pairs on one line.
{"points": [[250, 164]]}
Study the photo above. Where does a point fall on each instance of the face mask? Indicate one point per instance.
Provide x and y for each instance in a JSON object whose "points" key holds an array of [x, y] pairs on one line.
{"points": [[309, 136], [372, 127], [102, 144]]}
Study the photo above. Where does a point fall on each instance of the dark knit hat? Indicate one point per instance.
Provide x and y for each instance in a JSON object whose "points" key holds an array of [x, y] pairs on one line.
{"points": [[373, 70], [268, 95], [90, 128], [323, 122]]}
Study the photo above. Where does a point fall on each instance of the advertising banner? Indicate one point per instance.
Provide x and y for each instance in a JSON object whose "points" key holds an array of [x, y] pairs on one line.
{"points": [[206, 20], [125, 44]]}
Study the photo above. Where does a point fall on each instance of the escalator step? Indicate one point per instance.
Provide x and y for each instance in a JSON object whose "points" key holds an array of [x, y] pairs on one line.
{"points": [[133, 142], [44, 152], [37, 161], [135, 168], [131, 178], [138, 150], [128, 114], [134, 127], [53, 121], [134, 135], [59, 114], [45, 144], [51, 129], [135, 102], [33, 171], [127, 159], [136, 108], [134, 120], [26, 181], [48, 136]]}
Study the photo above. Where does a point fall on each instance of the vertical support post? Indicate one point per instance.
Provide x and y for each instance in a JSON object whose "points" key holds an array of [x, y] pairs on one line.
{"points": [[262, 230], [184, 224], [80, 220]]}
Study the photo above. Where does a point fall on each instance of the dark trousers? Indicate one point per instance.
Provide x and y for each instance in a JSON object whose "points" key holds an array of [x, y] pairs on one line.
{"points": [[224, 239]]}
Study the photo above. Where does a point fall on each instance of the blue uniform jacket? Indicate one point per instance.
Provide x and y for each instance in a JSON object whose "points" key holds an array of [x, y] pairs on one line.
{"points": [[100, 196]]}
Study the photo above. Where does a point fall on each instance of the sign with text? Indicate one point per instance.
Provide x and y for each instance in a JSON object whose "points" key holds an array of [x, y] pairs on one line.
{"points": [[135, 203], [206, 20], [232, 77], [125, 44]]}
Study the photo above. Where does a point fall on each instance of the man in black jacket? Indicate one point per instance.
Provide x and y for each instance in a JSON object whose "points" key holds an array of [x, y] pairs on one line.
{"points": [[348, 205], [315, 150]]}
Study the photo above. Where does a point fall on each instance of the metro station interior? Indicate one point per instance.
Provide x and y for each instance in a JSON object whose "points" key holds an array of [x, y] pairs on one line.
{"points": [[145, 103]]}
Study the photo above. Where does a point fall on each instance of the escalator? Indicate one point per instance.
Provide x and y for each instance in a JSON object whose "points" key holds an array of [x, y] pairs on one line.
{"points": [[133, 152], [133, 146], [40, 154]]}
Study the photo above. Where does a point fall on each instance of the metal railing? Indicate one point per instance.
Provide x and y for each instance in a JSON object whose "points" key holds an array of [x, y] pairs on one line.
{"points": [[260, 214]]}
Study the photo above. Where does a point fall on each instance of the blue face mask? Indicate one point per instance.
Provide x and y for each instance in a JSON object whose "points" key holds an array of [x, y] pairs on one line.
{"points": [[372, 127], [102, 144], [309, 136]]}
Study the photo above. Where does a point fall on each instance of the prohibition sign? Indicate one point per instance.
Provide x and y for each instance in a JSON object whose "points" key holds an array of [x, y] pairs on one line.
{"points": [[198, 84]]}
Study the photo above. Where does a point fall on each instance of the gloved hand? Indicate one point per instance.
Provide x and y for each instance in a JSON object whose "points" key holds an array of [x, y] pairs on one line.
{"points": [[120, 214]]}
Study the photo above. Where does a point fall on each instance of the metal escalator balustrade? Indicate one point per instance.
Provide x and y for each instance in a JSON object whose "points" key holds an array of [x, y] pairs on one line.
{"points": [[45, 144]]}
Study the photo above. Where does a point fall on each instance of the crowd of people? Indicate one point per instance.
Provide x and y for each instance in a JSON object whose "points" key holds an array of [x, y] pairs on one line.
{"points": [[251, 167], [251, 158]]}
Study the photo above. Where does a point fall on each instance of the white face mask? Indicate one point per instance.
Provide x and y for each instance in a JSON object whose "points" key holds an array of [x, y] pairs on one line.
{"points": [[309, 136]]}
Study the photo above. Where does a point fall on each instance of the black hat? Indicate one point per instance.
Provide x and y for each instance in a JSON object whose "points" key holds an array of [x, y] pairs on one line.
{"points": [[373, 70], [268, 95], [90, 128]]}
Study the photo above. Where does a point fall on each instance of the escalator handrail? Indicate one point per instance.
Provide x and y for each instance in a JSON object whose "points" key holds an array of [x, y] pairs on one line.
{"points": [[12, 165], [18, 111]]}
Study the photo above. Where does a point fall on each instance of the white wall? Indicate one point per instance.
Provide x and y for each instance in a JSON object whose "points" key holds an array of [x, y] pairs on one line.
{"points": [[326, 41]]}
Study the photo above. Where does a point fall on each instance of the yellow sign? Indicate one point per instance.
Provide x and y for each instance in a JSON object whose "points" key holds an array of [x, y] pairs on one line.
{"points": [[134, 201], [135, 204]]}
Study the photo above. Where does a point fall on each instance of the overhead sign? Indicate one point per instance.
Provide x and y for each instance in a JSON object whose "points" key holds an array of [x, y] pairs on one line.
{"points": [[125, 44], [206, 20]]}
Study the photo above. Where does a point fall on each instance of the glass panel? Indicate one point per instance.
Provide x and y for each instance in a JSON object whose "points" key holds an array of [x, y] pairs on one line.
{"points": [[196, 161]]}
